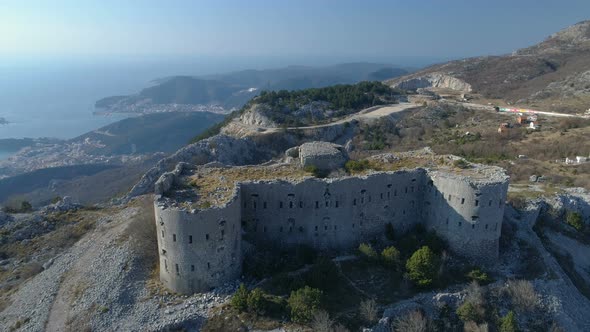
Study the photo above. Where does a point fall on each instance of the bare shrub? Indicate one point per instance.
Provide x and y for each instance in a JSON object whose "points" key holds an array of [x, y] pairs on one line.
{"points": [[321, 321], [369, 310], [523, 294], [474, 327], [476, 294], [414, 321]]}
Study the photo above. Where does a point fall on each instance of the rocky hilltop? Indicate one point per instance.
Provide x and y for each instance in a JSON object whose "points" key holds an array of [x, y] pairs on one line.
{"points": [[554, 74]]}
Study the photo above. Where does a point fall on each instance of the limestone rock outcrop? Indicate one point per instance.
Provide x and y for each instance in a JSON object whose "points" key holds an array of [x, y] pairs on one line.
{"points": [[433, 80], [225, 149]]}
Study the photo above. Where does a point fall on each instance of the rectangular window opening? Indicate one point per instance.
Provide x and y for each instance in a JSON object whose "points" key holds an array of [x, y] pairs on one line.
{"points": [[190, 239], [174, 237]]}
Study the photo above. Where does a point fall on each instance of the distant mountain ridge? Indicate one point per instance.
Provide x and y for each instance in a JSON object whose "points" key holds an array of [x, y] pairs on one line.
{"points": [[554, 74], [234, 89]]}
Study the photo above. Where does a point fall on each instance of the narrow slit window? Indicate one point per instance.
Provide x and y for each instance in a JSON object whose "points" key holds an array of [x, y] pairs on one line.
{"points": [[476, 202], [354, 202], [290, 205], [264, 229], [254, 205], [326, 227], [174, 237], [177, 269], [460, 223], [166, 265], [281, 229], [208, 266], [190, 239], [280, 204], [490, 203], [462, 200], [264, 205], [192, 268], [206, 236], [336, 203], [381, 195], [316, 228], [301, 204], [317, 204], [162, 233], [327, 203]]}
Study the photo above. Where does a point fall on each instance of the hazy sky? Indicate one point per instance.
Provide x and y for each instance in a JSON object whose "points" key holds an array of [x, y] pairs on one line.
{"points": [[355, 29]]}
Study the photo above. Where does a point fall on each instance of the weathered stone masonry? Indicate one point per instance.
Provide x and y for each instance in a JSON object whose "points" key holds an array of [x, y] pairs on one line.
{"points": [[200, 249]]}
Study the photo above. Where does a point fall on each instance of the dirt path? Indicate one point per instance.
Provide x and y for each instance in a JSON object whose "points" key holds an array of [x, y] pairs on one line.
{"points": [[374, 112], [74, 282]]}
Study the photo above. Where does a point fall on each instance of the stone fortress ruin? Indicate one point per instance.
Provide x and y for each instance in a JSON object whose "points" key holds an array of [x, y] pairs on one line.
{"points": [[204, 214]]}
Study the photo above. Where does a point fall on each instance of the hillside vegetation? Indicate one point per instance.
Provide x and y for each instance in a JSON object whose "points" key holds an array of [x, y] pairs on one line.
{"points": [[312, 106]]}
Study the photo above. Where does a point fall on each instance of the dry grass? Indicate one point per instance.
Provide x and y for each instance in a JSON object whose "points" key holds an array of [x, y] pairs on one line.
{"points": [[215, 185]]}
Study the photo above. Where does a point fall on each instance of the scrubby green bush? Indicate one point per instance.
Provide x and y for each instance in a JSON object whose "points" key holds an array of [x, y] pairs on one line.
{"points": [[256, 301], [315, 171], [303, 303], [25, 206], [469, 312], [435, 242], [353, 166], [461, 163], [240, 298], [391, 256], [368, 252], [478, 275], [508, 323], [423, 266], [574, 219]]}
